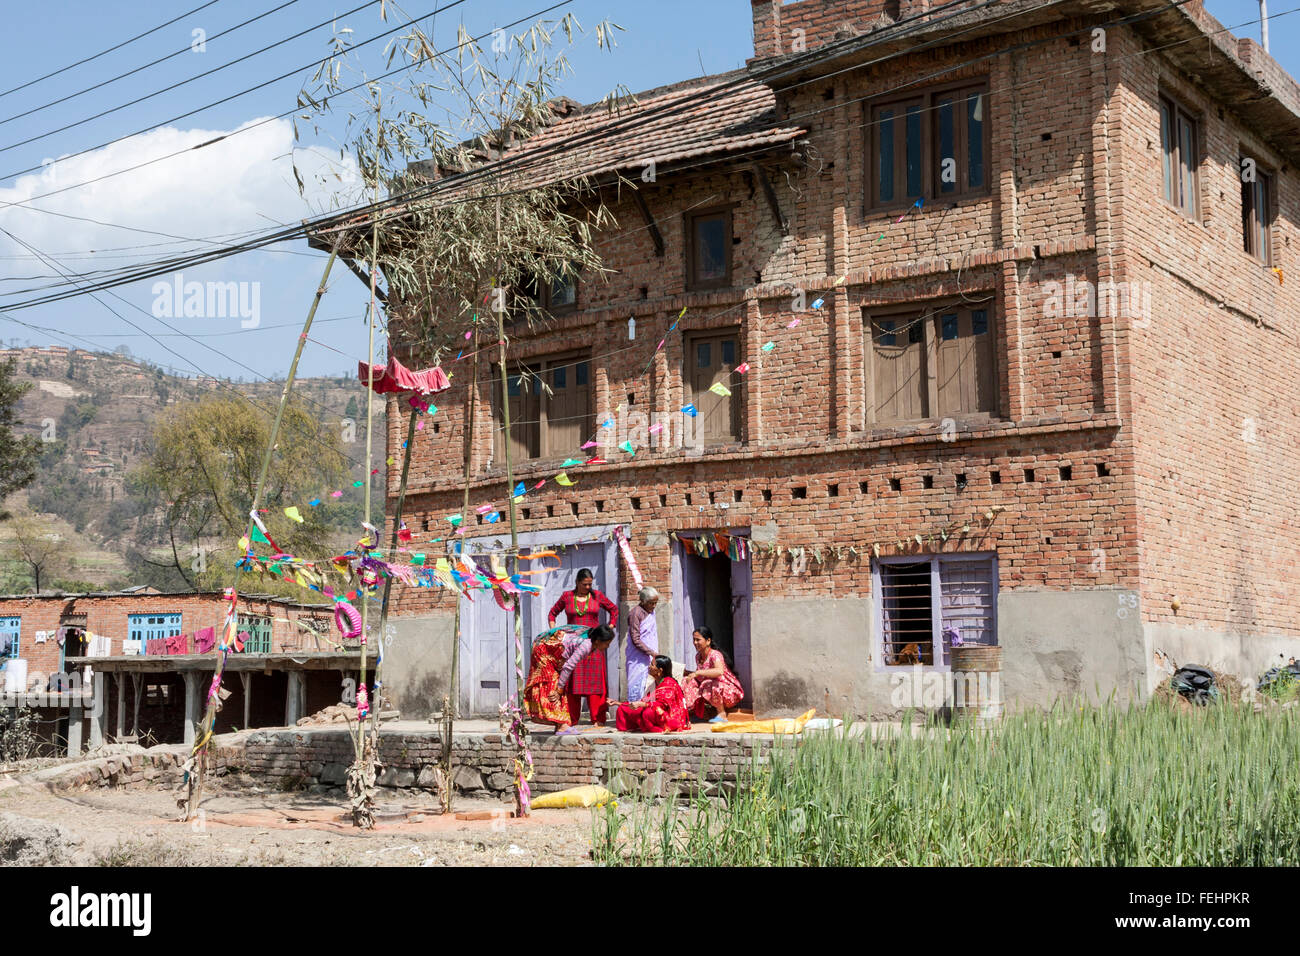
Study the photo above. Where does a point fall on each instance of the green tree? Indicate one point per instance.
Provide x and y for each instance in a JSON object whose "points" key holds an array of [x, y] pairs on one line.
{"points": [[18, 453], [201, 468], [41, 548]]}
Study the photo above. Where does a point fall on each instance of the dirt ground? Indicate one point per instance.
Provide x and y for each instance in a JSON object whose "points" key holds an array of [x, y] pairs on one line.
{"points": [[242, 827]]}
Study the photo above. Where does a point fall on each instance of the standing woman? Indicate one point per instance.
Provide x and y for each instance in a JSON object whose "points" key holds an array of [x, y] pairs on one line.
{"points": [[555, 656], [582, 606], [642, 643]]}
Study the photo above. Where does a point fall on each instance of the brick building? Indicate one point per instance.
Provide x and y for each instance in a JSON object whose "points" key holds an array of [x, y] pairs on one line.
{"points": [[291, 664], [1050, 407]]}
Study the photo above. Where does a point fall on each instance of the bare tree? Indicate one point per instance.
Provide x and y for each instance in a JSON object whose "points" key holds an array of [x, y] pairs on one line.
{"points": [[43, 549]]}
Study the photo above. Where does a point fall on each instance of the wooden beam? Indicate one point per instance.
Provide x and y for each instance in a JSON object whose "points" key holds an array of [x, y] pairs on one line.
{"points": [[121, 704], [247, 679], [770, 194], [357, 271], [651, 225]]}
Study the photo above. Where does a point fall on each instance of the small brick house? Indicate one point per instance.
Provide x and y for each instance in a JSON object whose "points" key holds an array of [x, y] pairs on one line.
{"points": [[1023, 271]]}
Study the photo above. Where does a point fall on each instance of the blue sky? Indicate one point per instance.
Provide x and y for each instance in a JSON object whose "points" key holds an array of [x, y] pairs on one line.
{"points": [[246, 183]]}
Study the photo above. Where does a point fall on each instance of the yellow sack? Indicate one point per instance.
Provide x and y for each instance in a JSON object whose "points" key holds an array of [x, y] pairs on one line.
{"points": [[782, 725], [589, 796]]}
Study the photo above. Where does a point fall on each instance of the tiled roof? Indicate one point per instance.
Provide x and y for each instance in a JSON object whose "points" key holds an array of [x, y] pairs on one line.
{"points": [[666, 125]]}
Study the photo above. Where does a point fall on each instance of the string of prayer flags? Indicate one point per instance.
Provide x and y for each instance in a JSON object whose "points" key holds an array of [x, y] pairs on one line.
{"points": [[483, 509], [659, 426], [793, 324], [357, 484], [741, 369], [717, 388], [336, 494], [493, 518], [608, 423], [818, 302], [690, 410], [594, 461], [768, 346], [570, 462], [314, 502], [590, 444], [627, 447], [519, 491], [564, 479], [455, 520], [293, 514]]}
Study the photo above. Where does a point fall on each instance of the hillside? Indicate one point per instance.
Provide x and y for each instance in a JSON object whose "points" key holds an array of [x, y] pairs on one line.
{"points": [[94, 413]]}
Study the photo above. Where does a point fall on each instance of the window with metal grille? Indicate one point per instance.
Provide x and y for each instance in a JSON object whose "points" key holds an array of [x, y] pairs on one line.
{"points": [[924, 600], [258, 629], [1256, 211], [1180, 148], [941, 362], [10, 631]]}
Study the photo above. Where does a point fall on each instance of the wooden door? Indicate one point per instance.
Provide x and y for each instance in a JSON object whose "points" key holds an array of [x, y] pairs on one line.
{"points": [[713, 362], [568, 408], [898, 354], [964, 362]]}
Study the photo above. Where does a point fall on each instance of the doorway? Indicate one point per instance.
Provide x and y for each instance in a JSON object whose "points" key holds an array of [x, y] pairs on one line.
{"points": [[715, 590]]}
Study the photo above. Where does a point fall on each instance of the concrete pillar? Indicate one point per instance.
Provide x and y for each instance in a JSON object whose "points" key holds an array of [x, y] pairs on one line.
{"points": [[75, 715], [121, 704], [98, 712], [293, 699], [191, 704]]}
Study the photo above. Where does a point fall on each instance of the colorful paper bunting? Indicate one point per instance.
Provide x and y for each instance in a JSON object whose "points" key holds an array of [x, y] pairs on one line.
{"points": [[717, 388], [293, 514], [563, 479], [742, 368], [627, 447], [794, 324], [768, 346], [690, 410]]}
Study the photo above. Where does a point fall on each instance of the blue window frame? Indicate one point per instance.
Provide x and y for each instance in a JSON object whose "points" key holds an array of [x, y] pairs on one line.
{"points": [[151, 627], [10, 630]]}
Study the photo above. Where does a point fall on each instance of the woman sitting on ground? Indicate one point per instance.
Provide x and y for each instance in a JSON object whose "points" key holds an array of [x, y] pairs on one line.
{"points": [[555, 655], [712, 689], [663, 709]]}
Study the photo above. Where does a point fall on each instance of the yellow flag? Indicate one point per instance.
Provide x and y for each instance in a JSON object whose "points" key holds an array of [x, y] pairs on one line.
{"points": [[717, 388], [293, 513], [563, 479]]}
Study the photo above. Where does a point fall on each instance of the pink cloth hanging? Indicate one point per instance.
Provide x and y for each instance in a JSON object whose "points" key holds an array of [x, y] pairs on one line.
{"points": [[396, 377], [180, 644], [205, 640]]}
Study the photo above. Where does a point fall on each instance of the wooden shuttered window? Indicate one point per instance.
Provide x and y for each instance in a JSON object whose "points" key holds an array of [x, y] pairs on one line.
{"points": [[708, 249], [711, 359], [1256, 211], [934, 145], [933, 364], [542, 424], [1180, 158]]}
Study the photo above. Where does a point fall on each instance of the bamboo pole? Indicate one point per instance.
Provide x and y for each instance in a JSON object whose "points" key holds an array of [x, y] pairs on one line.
{"points": [[210, 714]]}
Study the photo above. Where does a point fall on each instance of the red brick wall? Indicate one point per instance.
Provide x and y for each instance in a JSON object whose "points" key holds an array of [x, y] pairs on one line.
{"points": [[779, 25], [107, 616]]}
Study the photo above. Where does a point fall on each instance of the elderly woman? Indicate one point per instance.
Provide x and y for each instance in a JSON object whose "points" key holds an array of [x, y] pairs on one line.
{"points": [[642, 642], [556, 654], [582, 606]]}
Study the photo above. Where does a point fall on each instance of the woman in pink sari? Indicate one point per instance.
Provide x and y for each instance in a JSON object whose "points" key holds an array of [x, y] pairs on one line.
{"points": [[711, 689]]}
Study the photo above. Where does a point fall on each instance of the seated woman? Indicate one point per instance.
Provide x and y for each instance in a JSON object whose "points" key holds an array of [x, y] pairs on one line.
{"points": [[712, 689], [555, 654], [663, 708]]}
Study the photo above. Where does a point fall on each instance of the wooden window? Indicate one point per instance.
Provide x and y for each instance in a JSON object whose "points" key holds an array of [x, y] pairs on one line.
{"points": [[708, 250], [550, 408], [1256, 211], [152, 627], [1180, 156], [935, 144], [554, 296], [923, 600], [937, 363], [258, 629], [711, 359]]}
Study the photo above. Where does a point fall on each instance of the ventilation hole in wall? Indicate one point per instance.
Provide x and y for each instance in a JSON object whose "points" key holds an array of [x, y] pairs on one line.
{"points": [[1103, 470], [828, 94], [738, 496], [1067, 472], [862, 487], [712, 499], [688, 497], [600, 504], [767, 494], [663, 501], [1056, 353], [1029, 474], [1047, 539], [799, 491], [436, 428], [895, 484], [832, 491], [550, 511], [636, 504], [1047, 137], [631, 398], [479, 518], [1074, 41], [961, 482], [927, 481], [428, 524], [645, 292], [573, 506], [995, 477]]}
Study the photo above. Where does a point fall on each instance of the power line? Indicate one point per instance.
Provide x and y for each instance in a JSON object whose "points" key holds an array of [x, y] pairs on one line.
{"points": [[224, 99], [119, 46], [162, 59]]}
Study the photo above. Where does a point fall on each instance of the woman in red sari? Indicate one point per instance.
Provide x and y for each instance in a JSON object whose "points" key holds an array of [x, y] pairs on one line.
{"points": [[556, 654], [582, 606], [662, 710]]}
